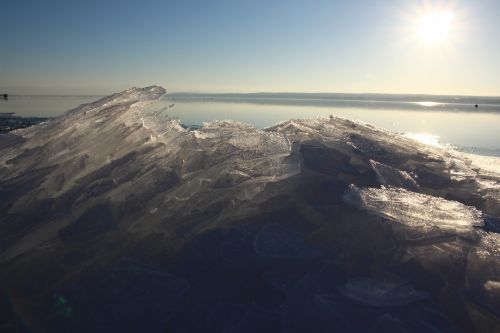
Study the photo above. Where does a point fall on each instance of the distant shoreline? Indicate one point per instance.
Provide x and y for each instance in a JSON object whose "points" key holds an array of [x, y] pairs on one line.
{"points": [[380, 102], [340, 97]]}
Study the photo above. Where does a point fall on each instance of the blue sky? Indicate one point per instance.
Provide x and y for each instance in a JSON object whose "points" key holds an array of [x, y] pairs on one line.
{"points": [[87, 47]]}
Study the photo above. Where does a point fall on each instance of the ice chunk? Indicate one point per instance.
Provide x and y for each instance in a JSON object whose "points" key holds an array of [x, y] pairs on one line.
{"points": [[387, 323], [245, 137], [280, 280], [307, 309], [492, 224], [257, 319], [276, 241], [390, 176], [225, 316], [381, 293], [489, 245], [492, 285], [149, 297], [160, 122], [415, 210], [238, 245], [431, 320]]}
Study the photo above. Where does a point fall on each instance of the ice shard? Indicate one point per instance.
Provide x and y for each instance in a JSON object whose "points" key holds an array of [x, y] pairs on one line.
{"points": [[390, 176], [415, 210], [381, 292]]}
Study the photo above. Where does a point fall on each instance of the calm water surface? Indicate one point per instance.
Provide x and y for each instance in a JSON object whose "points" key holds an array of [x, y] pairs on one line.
{"points": [[458, 124], [42, 106], [472, 130]]}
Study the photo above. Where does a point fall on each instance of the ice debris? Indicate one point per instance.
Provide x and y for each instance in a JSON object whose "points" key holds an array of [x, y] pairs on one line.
{"points": [[415, 210], [275, 241], [121, 174], [381, 293], [489, 245], [390, 176]]}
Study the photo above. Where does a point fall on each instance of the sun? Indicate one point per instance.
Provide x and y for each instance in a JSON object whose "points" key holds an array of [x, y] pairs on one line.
{"points": [[434, 27]]}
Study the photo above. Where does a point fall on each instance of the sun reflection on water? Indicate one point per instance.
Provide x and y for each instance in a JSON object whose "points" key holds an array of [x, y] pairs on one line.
{"points": [[428, 103], [425, 138]]}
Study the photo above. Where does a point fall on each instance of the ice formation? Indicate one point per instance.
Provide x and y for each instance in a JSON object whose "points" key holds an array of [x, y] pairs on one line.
{"points": [[278, 229], [390, 176], [278, 242], [415, 210], [381, 293]]}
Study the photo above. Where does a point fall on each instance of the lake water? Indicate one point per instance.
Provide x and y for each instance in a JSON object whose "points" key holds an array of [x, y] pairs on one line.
{"points": [[460, 123], [449, 120], [42, 106]]}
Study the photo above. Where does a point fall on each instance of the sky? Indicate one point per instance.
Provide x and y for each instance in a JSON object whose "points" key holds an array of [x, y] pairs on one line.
{"points": [[97, 47]]}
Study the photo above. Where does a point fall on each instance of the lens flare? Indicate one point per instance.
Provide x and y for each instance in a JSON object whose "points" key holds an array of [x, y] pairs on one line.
{"points": [[434, 27]]}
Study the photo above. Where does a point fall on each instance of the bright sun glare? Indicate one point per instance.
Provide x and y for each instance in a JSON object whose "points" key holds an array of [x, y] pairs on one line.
{"points": [[434, 27]]}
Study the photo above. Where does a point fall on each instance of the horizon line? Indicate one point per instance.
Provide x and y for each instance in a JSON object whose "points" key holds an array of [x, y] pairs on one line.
{"points": [[266, 93]]}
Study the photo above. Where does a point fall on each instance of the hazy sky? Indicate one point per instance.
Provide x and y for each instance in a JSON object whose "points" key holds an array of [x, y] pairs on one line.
{"points": [[88, 47]]}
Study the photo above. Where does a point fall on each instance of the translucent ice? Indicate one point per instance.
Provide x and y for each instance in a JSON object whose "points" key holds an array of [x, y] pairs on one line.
{"points": [[275, 241], [415, 210], [119, 177], [381, 293], [390, 176], [489, 245]]}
